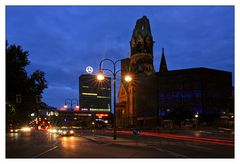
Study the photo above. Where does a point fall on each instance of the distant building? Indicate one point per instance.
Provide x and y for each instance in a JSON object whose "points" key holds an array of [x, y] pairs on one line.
{"points": [[94, 96], [148, 99]]}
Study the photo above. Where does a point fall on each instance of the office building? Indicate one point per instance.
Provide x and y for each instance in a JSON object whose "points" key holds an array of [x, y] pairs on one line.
{"points": [[94, 96]]}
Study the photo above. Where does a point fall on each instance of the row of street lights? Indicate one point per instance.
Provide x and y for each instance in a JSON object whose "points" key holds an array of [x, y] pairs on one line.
{"points": [[71, 102]]}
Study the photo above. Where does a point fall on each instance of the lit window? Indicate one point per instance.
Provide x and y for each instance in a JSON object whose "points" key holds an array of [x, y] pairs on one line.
{"points": [[103, 97], [90, 94]]}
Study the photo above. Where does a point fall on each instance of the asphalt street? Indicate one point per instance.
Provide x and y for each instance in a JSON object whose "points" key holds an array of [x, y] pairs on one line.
{"points": [[96, 144]]}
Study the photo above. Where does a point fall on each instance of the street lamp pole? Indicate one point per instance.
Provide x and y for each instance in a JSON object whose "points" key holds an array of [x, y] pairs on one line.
{"points": [[114, 103], [114, 73], [71, 105], [100, 77], [71, 102]]}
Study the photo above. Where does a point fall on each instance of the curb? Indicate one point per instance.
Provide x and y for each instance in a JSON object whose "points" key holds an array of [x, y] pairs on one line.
{"points": [[119, 143]]}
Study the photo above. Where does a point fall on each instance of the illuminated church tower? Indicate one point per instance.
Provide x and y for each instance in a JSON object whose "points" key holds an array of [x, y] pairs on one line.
{"points": [[141, 59], [140, 65]]}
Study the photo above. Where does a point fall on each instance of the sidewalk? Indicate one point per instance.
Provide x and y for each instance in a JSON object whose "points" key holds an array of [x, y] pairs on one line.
{"points": [[186, 135], [119, 141]]}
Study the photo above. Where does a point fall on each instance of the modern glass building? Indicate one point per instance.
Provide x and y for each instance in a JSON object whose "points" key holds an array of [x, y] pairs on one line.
{"points": [[94, 96]]}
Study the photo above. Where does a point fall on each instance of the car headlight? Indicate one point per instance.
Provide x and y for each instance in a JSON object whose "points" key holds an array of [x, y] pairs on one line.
{"points": [[64, 132], [71, 131], [26, 129]]}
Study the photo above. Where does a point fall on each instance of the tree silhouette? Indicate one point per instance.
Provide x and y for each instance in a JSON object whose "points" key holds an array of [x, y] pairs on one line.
{"points": [[18, 82]]}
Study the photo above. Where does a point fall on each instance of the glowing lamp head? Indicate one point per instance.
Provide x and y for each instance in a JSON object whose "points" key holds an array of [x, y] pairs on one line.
{"points": [[77, 106], [100, 76], [65, 106], [128, 78], [196, 115]]}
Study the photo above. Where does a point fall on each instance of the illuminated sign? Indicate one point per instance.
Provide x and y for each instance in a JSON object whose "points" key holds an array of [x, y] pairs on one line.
{"points": [[85, 114], [89, 69], [84, 109], [98, 109], [101, 115]]}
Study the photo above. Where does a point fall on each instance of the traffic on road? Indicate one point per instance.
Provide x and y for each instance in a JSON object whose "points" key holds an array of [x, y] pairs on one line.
{"points": [[69, 142]]}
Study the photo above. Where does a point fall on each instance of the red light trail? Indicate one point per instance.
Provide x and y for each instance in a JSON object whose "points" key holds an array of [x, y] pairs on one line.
{"points": [[219, 141]]}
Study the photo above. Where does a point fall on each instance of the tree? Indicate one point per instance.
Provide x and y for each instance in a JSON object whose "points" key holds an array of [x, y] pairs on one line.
{"points": [[18, 82], [38, 82]]}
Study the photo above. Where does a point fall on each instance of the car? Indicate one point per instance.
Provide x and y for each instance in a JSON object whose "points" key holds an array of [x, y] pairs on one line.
{"points": [[14, 130], [65, 131], [53, 130]]}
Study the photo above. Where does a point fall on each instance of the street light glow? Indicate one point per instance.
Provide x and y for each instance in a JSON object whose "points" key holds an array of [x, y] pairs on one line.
{"points": [[100, 76], [65, 106], [128, 78]]}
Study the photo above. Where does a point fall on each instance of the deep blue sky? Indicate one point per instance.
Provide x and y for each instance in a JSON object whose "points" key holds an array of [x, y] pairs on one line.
{"points": [[63, 40]]}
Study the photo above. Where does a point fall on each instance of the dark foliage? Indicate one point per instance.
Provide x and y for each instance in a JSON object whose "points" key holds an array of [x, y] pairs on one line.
{"points": [[29, 88]]}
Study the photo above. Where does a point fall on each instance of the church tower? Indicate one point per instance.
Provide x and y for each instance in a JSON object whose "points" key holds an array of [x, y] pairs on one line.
{"points": [[132, 108], [141, 58], [163, 64]]}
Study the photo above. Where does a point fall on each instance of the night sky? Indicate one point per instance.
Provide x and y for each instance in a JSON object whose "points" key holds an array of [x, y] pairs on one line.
{"points": [[63, 41]]}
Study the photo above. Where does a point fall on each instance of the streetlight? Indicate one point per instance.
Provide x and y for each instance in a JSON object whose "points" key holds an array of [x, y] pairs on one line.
{"points": [[196, 117], [71, 103], [128, 78], [100, 77]]}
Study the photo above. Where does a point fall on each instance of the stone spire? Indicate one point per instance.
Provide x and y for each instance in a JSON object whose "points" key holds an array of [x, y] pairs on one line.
{"points": [[142, 41], [163, 64], [141, 58]]}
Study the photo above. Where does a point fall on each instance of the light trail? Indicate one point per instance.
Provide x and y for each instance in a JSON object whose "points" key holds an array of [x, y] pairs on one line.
{"points": [[219, 141]]}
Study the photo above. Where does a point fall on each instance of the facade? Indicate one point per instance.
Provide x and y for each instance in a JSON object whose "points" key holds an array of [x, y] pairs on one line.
{"points": [[203, 90], [94, 96], [153, 96]]}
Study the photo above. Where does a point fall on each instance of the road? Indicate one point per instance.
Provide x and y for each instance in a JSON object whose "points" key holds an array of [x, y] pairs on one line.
{"points": [[88, 144]]}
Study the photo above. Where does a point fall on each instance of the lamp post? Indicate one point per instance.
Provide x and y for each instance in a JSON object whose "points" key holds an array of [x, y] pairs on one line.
{"points": [[71, 103], [100, 77]]}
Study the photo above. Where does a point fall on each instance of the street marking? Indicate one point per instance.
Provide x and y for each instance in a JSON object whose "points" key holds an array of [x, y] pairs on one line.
{"points": [[170, 152], [45, 152]]}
